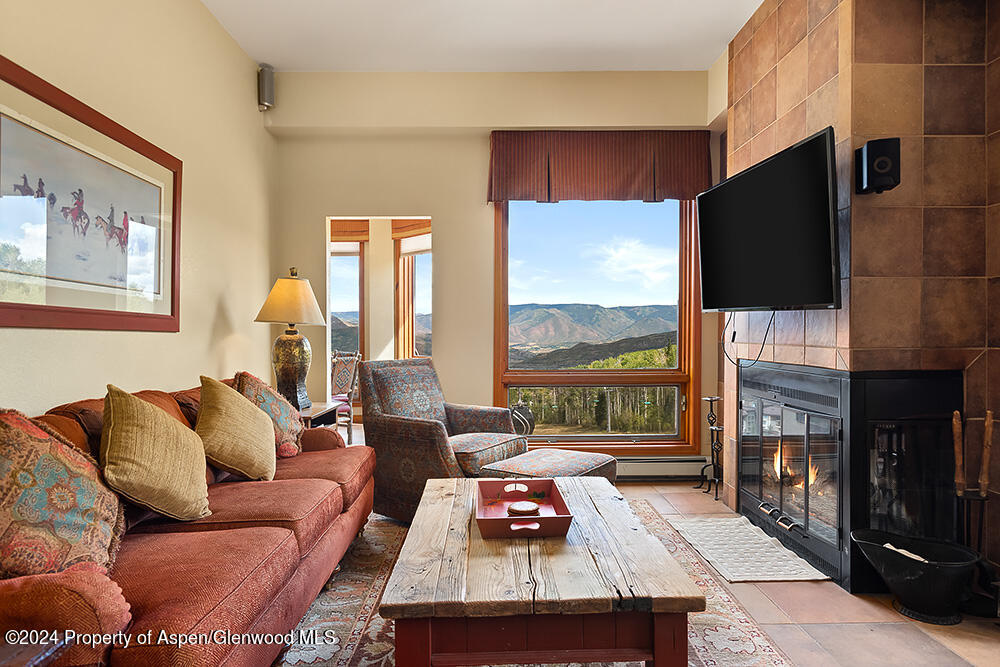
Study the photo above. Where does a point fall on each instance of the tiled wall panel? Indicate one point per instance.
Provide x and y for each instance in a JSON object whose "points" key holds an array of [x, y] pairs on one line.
{"points": [[921, 263]]}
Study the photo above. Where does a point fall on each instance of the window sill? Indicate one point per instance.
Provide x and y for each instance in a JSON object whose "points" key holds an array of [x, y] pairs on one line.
{"points": [[624, 447]]}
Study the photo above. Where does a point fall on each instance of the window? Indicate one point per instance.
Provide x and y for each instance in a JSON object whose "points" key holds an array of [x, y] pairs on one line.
{"points": [[596, 322], [422, 278], [345, 294], [414, 282]]}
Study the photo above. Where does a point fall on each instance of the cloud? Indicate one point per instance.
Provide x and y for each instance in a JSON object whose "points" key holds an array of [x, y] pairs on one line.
{"points": [[34, 241], [632, 260]]}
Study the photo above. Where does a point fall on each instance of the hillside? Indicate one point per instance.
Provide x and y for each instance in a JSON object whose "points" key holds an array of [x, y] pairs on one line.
{"points": [[534, 325], [344, 331], [583, 354]]}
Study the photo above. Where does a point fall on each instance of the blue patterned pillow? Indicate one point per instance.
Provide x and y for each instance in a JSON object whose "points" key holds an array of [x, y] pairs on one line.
{"points": [[410, 391]]}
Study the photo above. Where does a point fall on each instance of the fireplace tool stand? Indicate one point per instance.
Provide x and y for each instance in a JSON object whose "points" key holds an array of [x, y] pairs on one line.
{"points": [[715, 463], [978, 604]]}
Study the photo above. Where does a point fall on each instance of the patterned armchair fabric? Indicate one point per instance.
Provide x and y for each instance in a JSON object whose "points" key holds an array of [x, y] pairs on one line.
{"points": [[408, 424]]}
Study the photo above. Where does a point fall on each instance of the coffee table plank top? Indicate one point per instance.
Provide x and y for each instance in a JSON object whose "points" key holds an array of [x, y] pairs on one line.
{"points": [[607, 562]]}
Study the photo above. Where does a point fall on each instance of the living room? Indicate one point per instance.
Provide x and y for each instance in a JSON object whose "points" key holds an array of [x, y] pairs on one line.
{"points": [[402, 113]]}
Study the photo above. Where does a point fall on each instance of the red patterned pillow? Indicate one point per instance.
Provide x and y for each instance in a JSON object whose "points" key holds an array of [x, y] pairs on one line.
{"points": [[288, 424], [55, 510]]}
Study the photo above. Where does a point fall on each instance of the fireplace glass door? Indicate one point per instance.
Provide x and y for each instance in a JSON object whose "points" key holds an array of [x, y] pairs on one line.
{"points": [[791, 458]]}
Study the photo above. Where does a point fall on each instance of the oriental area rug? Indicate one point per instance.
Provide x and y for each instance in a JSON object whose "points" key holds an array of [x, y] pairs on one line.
{"points": [[723, 635]]}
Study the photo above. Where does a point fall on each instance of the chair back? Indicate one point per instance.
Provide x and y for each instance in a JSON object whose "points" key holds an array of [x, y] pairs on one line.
{"points": [[344, 373], [404, 387]]}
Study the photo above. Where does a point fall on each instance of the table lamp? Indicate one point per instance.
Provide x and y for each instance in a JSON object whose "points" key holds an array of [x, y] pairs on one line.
{"points": [[292, 302]]}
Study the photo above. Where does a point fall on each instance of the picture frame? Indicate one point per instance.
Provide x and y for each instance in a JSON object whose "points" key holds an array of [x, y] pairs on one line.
{"points": [[89, 215]]}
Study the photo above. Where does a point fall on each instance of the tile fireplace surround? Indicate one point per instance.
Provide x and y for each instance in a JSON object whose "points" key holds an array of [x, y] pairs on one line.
{"points": [[919, 264]]}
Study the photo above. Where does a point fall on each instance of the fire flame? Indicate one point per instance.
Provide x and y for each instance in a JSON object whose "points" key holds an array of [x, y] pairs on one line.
{"points": [[813, 474], [777, 464]]}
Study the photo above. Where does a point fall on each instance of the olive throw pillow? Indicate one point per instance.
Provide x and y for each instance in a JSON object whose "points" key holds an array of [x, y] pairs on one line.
{"points": [[237, 435], [55, 511], [152, 459], [288, 424]]}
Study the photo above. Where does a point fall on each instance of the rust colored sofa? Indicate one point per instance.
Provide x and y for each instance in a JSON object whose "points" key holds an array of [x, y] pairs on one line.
{"points": [[253, 566]]}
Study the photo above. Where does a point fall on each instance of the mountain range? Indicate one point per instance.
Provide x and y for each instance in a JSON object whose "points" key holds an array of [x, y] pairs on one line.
{"points": [[534, 325]]}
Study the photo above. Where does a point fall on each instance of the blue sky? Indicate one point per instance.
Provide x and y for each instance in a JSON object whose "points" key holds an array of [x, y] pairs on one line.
{"points": [[610, 253], [344, 283]]}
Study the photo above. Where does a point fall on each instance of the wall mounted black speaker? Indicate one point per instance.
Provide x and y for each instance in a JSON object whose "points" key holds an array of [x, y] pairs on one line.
{"points": [[876, 166], [265, 87]]}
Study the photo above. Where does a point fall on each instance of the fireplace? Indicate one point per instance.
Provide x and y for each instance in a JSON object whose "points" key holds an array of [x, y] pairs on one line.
{"points": [[823, 452]]}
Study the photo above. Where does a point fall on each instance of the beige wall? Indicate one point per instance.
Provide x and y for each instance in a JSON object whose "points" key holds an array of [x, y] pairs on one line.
{"points": [[360, 145], [328, 102], [170, 73], [396, 175], [717, 100], [380, 286]]}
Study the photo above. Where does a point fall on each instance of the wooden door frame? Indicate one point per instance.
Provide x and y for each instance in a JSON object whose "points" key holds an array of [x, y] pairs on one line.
{"points": [[688, 373]]}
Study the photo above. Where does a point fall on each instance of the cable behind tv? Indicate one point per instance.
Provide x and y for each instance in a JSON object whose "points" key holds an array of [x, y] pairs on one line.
{"points": [[763, 342]]}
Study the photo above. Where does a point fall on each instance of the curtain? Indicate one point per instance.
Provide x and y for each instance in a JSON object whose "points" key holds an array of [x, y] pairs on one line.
{"points": [[553, 165]]}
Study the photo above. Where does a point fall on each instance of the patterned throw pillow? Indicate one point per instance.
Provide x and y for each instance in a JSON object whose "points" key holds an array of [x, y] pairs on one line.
{"points": [[410, 391], [287, 422], [55, 510]]}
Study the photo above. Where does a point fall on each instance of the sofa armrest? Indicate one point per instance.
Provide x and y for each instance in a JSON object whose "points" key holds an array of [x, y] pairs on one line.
{"points": [[83, 599], [478, 419], [321, 438]]}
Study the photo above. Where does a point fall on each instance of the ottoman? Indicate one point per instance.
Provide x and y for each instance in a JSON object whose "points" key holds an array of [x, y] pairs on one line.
{"points": [[554, 463]]}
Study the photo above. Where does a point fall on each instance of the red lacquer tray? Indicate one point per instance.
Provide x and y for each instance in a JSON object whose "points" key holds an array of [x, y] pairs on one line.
{"points": [[494, 495]]}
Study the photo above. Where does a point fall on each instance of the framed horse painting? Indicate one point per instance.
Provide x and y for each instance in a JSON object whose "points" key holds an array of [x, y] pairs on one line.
{"points": [[89, 215]]}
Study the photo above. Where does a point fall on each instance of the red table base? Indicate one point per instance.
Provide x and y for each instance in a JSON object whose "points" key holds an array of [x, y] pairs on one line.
{"points": [[659, 639]]}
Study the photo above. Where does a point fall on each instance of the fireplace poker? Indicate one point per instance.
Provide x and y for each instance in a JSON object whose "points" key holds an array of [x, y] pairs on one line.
{"points": [[984, 476]]}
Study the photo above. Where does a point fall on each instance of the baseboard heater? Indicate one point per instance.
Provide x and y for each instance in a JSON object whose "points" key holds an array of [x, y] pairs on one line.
{"points": [[660, 466]]}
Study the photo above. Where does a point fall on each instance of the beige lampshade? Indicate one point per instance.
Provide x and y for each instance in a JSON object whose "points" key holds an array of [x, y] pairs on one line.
{"points": [[291, 301]]}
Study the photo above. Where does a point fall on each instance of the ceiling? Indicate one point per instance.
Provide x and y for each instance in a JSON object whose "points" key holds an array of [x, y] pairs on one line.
{"points": [[483, 35]]}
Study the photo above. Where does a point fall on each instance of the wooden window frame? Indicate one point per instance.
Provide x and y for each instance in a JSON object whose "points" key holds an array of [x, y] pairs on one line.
{"points": [[403, 298], [404, 267], [362, 319], [688, 373]]}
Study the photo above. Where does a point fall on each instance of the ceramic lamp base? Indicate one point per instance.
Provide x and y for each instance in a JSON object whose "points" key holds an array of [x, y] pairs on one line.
{"points": [[292, 356]]}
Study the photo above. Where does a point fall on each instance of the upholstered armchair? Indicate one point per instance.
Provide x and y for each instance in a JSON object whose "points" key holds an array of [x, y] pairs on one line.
{"points": [[418, 436]]}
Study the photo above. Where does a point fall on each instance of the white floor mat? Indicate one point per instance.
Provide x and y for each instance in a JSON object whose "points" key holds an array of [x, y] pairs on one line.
{"points": [[741, 551]]}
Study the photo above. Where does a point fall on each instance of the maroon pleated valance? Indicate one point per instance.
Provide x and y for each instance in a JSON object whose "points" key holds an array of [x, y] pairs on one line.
{"points": [[554, 165]]}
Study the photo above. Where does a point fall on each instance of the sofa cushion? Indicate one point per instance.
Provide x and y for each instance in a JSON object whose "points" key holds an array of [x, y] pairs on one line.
{"points": [[55, 510], [68, 428], [475, 450], [350, 467], [151, 459], [410, 391], [307, 507], [89, 414], [199, 583], [237, 436], [554, 463], [287, 422]]}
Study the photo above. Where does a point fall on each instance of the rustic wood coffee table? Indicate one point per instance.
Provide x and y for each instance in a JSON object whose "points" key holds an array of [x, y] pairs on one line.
{"points": [[608, 591]]}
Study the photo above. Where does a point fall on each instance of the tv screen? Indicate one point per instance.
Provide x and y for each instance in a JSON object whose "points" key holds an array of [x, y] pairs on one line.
{"points": [[768, 235]]}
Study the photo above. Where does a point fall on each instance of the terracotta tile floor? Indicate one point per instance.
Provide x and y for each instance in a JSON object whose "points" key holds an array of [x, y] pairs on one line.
{"points": [[817, 623]]}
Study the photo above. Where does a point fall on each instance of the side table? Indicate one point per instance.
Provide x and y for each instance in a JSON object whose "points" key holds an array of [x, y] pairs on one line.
{"points": [[320, 414]]}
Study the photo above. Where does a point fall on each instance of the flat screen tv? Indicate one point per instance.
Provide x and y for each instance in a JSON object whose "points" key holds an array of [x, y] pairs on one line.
{"points": [[768, 235]]}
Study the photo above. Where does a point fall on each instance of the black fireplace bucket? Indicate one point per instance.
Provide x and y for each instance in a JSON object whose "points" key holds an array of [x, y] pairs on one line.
{"points": [[931, 591]]}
